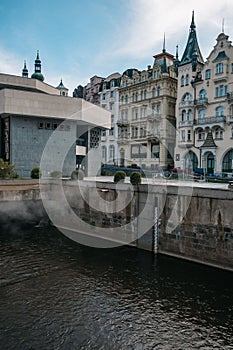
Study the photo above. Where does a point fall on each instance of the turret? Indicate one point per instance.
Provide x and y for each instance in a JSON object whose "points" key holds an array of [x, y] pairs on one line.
{"points": [[25, 71], [37, 74]]}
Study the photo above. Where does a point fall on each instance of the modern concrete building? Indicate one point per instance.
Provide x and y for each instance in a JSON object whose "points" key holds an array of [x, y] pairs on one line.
{"points": [[147, 114], [205, 106], [33, 112], [109, 99]]}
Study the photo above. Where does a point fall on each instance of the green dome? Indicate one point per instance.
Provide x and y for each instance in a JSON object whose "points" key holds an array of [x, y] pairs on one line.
{"points": [[38, 76]]}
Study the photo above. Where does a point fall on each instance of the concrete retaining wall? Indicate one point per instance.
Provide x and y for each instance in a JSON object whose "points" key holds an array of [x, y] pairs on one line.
{"points": [[192, 224]]}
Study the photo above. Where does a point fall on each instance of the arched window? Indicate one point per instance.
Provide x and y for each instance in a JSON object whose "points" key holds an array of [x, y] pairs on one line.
{"points": [[202, 94], [218, 134], [136, 96], [219, 111], [201, 114], [227, 162], [144, 94], [187, 79], [158, 91], [183, 115], [141, 95], [126, 99], [191, 161], [187, 97], [182, 80], [153, 92], [133, 97], [189, 115]]}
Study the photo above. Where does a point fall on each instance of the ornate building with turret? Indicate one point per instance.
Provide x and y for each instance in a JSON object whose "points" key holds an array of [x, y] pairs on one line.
{"points": [[204, 107], [146, 124]]}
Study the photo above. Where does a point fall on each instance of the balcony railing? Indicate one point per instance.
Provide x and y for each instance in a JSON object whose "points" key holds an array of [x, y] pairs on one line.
{"points": [[201, 101], [185, 123], [189, 103], [230, 118], [154, 116], [122, 122], [211, 120]]}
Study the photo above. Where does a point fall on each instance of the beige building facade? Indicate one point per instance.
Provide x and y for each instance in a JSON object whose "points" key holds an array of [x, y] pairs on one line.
{"points": [[205, 107], [146, 124]]}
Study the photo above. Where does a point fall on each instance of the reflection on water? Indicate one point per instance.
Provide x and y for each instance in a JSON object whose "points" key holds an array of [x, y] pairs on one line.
{"points": [[56, 294]]}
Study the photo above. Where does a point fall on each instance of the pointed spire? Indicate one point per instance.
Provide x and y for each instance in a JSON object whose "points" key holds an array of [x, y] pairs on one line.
{"points": [[223, 25], [192, 50], [25, 70], [177, 56], [164, 49], [176, 61], [192, 26]]}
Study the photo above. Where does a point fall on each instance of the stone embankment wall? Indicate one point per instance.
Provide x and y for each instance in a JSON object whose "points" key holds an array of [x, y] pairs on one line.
{"points": [[189, 223]]}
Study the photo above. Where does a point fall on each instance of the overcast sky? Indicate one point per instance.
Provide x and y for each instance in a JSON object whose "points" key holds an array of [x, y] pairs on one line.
{"points": [[80, 38]]}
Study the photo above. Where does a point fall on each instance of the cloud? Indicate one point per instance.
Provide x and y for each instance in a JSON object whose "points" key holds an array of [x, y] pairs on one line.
{"points": [[143, 34], [10, 63]]}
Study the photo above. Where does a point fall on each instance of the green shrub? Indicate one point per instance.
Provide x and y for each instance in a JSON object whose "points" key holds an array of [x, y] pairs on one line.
{"points": [[119, 176], [6, 169], [56, 174], [77, 175], [35, 173], [135, 178]]}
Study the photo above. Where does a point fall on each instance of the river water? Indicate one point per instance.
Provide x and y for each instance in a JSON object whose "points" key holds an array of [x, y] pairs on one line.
{"points": [[57, 294]]}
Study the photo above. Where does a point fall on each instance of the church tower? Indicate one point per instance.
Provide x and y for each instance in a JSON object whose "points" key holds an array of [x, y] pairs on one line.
{"points": [[37, 74]]}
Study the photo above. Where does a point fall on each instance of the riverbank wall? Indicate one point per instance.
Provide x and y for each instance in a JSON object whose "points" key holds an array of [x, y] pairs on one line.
{"points": [[187, 222]]}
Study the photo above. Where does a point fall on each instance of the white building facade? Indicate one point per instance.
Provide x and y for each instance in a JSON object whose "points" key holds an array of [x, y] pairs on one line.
{"points": [[205, 107]]}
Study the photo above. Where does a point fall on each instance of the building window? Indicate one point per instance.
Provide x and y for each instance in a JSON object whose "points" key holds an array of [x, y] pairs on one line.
{"points": [[144, 94], [228, 162], [208, 74], [219, 68], [55, 125], [202, 94], [136, 97], [104, 153], [141, 95], [187, 79], [189, 115], [182, 135], [201, 135], [103, 97], [153, 92], [155, 75], [41, 125], [183, 115], [218, 134], [111, 152], [219, 111], [182, 80], [126, 99], [158, 91], [189, 135], [221, 90], [201, 114], [48, 125]]}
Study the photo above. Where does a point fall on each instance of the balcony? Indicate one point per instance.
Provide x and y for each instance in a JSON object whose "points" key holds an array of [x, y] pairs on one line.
{"points": [[123, 139], [185, 123], [122, 122], [230, 96], [189, 103], [201, 102], [185, 144], [154, 117], [210, 121]]}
